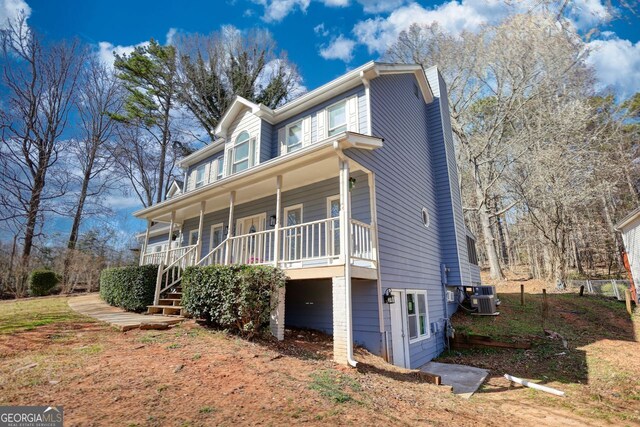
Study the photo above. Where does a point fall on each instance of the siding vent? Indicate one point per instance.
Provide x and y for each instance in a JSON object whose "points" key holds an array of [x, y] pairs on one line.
{"points": [[425, 217]]}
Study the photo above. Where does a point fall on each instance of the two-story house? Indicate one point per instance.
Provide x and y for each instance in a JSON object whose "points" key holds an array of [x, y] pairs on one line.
{"points": [[352, 190]]}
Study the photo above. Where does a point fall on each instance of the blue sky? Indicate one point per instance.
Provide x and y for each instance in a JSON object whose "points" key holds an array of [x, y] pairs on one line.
{"points": [[323, 37]]}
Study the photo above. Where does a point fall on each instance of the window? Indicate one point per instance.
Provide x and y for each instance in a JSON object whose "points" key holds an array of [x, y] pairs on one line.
{"points": [[294, 136], [417, 316], [218, 165], [217, 236], [200, 176], [241, 152], [337, 118], [333, 211], [293, 236], [193, 237], [471, 251]]}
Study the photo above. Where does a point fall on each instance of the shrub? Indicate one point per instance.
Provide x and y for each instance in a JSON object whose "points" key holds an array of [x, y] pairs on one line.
{"points": [[235, 297], [131, 288], [41, 282]]}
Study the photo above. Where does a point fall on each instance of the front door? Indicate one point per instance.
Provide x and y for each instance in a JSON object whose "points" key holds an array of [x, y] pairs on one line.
{"points": [[293, 236], [398, 335], [248, 249]]}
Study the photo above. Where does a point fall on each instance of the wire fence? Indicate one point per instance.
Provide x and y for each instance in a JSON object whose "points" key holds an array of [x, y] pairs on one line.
{"points": [[614, 288]]}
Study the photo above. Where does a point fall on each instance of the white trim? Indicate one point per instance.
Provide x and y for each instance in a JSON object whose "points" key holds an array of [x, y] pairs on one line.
{"points": [[344, 141], [401, 304], [291, 208], [285, 147], [200, 183], [191, 234], [262, 218], [213, 227], [419, 338], [328, 118]]}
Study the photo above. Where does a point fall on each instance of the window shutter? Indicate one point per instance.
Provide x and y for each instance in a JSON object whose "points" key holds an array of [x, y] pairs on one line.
{"points": [[192, 180], [352, 114], [228, 161], [306, 131], [282, 140], [207, 171], [252, 152], [322, 129]]}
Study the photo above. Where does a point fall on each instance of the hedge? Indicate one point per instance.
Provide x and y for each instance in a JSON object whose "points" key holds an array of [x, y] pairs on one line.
{"points": [[131, 288], [234, 297], [41, 282]]}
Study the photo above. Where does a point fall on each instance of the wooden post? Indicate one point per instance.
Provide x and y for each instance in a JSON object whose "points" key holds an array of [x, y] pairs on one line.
{"points": [[203, 204], [276, 238], [143, 249], [545, 307], [173, 220], [581, 290], [232, 201], [627, 300], [521, 294]]}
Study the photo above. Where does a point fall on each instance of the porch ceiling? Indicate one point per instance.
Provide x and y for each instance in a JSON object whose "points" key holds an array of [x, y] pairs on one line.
{"points": [[313, 167]]}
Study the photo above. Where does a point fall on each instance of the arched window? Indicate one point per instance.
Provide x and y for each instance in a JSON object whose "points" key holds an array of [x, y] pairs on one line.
{"points": [[241, 152]]}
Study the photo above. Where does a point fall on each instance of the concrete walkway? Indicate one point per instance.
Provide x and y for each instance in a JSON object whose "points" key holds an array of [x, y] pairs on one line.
{"points": [[464, 380], [91, 305]]}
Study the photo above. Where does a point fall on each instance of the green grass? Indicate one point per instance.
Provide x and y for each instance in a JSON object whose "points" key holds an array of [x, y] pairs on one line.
{"points": [[333, 385], [28, 314]]}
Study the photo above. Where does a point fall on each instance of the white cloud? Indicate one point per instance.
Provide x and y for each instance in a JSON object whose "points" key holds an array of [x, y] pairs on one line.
{"points": [[171, 34], [336, 3], [617, 64], [587, 14], [321, 30], [340, 48], [106, 51], [277, 10], [10, 10], [122, 202], [379, 6]]}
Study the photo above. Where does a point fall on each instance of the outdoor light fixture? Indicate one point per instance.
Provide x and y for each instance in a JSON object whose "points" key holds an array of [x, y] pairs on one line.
{"points": [[272, 221], [352, 183], [388, 297]]}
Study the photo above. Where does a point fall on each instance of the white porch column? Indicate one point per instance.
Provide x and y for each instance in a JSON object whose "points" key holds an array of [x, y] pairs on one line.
{"points": [[277, 314], [232, 201], [171, 224], [340, 336], [203, 204], [276, 239], [341, 286], [143, 249]]}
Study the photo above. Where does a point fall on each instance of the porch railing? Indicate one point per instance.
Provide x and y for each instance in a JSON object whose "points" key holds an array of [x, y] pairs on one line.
{"points": [[216, 256], [361, 241], [161, 257], [311, 241], [171, 275]]}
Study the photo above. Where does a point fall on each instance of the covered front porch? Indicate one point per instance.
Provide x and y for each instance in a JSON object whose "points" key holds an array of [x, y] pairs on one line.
{"points": [[288, 213]]}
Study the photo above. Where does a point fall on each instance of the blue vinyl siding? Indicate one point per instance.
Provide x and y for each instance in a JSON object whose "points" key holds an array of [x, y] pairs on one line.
{"points": [[410, 254], [308, 304], [266, 130]]}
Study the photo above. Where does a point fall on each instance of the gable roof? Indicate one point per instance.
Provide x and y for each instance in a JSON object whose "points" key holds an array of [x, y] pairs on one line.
{"points": [[347, 81]]}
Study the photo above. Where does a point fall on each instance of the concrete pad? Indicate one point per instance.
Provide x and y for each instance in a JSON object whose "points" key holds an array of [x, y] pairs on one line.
{"points": [[464, 380], [91, 305]]}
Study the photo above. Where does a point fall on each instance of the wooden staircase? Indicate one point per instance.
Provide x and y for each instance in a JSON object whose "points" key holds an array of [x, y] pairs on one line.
{"points": [[169, 305]]}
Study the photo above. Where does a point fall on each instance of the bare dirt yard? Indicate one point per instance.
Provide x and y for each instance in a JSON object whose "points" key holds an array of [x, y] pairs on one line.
{"points": [[194, 376]]}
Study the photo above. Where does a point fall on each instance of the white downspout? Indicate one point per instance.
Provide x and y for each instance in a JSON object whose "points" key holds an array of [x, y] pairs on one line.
{"points": [[346, 216]]}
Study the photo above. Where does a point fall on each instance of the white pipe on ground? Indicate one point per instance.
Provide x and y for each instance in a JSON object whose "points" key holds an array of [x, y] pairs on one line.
{"points": [[534, 385]]}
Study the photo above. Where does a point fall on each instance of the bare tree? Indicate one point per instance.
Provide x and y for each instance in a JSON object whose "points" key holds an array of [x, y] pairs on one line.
{"points": [[41, 82], [98, 94]]}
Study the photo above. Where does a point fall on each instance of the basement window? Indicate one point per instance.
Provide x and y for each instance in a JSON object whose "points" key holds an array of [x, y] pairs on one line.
{"points": [[417, 316]]}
